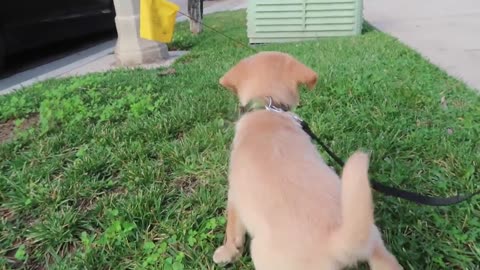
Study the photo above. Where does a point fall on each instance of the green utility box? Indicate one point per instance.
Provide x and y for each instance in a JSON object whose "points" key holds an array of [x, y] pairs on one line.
{"points": [[270, 21]]}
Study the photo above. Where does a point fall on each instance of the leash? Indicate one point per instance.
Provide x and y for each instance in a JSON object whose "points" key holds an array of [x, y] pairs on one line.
{"points": [[239, 43], [392, 191]]}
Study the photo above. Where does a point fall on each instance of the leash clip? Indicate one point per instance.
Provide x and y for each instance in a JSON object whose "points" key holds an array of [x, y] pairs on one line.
{"points": [[272, 108]]}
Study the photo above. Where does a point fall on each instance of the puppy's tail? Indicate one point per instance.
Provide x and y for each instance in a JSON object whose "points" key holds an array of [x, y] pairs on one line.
{"points": [[357, 209]]}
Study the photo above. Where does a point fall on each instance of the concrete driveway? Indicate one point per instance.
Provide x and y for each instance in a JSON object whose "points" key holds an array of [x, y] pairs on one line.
{"points": [[446, 32]]}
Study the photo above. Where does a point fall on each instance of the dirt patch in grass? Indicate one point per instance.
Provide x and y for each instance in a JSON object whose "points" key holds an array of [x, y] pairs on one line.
{"points": [[6, 214], [11, 127], [85, 205], [187, 184], [17, 263], [167, 72]]}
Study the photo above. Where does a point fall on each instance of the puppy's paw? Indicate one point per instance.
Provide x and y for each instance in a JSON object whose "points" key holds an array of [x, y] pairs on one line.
{"points": [[225, 255]]}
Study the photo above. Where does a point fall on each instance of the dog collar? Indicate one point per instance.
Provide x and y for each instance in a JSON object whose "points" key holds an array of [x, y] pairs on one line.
{"points": [[268, 104]]}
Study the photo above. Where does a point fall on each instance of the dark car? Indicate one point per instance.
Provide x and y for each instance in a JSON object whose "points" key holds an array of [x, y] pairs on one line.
{"points": [[28, 24]]}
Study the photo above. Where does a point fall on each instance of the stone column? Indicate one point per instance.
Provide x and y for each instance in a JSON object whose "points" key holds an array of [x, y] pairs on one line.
{"points": [[131, 50]]}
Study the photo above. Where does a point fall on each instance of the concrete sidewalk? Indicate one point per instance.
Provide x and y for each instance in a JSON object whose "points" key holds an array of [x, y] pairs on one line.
{"points": [[212, 6], [446, 32], [100, 57]]}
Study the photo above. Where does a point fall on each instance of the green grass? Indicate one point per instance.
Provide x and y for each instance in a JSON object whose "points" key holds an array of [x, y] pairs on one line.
{"points": [[127, 169]]}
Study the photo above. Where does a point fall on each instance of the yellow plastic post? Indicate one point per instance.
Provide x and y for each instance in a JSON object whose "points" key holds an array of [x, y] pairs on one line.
{"points": [[157, 20]]}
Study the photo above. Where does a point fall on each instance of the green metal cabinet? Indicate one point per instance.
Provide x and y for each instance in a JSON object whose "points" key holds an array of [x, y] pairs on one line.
{"points": [[270, 21]]}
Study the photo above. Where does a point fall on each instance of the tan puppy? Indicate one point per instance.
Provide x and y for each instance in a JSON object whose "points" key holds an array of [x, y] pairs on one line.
{"points": [[297, 211]]}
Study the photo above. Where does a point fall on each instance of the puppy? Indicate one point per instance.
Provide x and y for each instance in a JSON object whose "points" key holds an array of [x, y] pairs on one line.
{"points": [[295, 208]]}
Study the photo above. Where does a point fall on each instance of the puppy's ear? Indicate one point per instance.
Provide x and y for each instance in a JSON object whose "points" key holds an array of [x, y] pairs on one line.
{"points": [[303, 74], [234, 77]]}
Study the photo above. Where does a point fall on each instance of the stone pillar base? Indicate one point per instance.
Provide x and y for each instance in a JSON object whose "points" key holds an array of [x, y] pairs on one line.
{"points": [[131, 50]]}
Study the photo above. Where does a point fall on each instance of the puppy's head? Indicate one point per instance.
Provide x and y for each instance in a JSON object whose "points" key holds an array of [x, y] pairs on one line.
{"points": [[272, 74]]}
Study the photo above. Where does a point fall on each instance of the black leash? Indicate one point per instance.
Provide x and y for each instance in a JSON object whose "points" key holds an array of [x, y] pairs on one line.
{"points": [[392, 191]]}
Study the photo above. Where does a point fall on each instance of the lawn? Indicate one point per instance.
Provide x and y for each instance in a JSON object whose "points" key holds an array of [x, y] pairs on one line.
{"points": [[127, 169]]}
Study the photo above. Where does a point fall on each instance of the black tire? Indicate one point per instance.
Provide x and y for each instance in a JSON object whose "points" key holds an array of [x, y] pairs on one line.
{"points": [[3, 53]]}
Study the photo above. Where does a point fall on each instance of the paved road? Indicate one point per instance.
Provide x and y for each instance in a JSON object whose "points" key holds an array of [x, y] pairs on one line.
{"points": [[447, 32]]}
